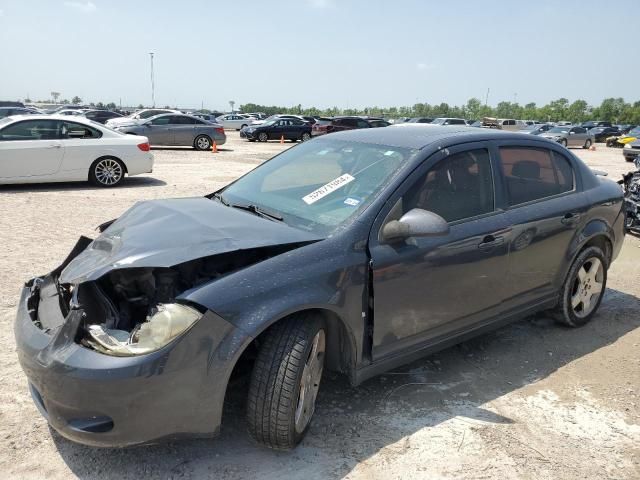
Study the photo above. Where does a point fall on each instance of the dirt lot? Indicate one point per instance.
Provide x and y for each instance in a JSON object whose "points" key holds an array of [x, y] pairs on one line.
{"points": [[530, 401]]}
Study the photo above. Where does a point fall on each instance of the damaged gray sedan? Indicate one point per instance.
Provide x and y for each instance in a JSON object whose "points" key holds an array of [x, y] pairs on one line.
{"points": [[355, 252]]}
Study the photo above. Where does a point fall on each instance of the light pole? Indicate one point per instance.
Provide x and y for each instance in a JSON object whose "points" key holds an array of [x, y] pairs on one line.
{"points": [[153, 93], [232, 103]]}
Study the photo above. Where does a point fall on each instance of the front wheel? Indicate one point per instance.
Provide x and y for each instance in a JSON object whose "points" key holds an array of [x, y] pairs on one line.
{"points": [[263, 137], [563, 142], [306, 136], [583, 288], [587, 144], [106, 172], [285, 381]]}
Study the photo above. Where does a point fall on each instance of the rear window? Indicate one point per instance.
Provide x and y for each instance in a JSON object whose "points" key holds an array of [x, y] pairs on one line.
{"points": [[535, 173]]}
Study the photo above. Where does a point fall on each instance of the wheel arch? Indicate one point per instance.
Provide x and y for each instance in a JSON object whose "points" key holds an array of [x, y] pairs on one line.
{"points": [[341, 345], [102, 157]]}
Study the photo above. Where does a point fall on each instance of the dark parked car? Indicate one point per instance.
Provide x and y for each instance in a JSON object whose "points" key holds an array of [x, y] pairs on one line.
{"points": [[355, 252], [600, 134], [595, 123], [339, 124], [631, 150], [100, 116], [288, 128], [178, 129], [420, 120], [9, 111]]}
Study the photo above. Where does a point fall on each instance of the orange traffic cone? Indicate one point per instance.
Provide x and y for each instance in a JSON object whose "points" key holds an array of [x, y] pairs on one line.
{"points": [[281, 139], [214, 148]]}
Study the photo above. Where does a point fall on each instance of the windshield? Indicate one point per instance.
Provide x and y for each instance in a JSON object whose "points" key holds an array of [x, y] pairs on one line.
{"points": [[319, 185], [531, 127], [558, 130], [635, 132], [439, 121]]}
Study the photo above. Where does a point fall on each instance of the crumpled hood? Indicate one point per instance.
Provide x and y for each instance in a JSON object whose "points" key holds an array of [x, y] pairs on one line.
{"points": [[163, 233]]}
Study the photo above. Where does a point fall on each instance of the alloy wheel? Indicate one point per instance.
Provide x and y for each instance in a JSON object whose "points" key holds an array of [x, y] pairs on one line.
{"points": [[587, 287], [310, 382], [108, 171], [203, 143]]}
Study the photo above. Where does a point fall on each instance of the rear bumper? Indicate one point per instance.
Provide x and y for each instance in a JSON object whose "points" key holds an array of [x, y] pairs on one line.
{"points": [[106, 401], [631, 154]]}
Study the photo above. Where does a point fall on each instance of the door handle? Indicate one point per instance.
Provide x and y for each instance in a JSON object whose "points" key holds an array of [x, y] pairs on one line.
{"points": [[570, 218], [55, 145], [490, 242]]}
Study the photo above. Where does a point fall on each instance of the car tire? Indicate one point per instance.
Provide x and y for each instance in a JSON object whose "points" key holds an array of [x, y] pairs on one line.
{"points": [[305, 137], [285, 381], [202, 142], [244, 125], [563, 142], [107, 172], [587, 144], [583, 288], [263, 137]]}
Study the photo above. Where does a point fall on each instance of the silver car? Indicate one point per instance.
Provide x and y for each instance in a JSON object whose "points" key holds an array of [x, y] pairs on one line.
{"points": [[178, 129], [569, 136]]}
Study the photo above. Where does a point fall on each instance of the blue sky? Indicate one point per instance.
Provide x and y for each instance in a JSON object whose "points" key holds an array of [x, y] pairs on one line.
{"points": [[345, 53]]}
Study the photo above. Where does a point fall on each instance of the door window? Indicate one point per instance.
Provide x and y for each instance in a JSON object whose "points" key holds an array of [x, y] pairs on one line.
{"points": [[32, 130], [534, 173], [160, 121], [458, 187], [76, 130]]}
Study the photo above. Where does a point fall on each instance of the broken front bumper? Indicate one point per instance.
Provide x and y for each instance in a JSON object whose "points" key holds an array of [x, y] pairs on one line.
{"points": [[100, 400]]}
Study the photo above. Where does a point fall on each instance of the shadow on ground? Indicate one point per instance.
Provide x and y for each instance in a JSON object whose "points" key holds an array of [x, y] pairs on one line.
{"points": [[129, 182], [353, 423]]}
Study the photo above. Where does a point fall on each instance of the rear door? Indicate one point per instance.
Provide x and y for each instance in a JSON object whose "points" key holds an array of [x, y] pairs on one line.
{"points": [[31, 148], [545, 208], [427, 288]]}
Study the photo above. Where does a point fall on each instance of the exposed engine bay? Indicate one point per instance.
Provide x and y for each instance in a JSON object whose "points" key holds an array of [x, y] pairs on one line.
{"points": [[134, 310]]}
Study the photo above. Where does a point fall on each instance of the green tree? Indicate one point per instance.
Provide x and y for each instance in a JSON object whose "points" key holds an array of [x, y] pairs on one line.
{"points": [[76, 100]]}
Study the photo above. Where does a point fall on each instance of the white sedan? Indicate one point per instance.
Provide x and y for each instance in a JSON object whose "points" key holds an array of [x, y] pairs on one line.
{"points": [[52, 148], [137, 117], [234, 120]]}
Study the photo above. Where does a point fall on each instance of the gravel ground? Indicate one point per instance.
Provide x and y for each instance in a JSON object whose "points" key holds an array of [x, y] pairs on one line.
{"points": [[530, 401]]}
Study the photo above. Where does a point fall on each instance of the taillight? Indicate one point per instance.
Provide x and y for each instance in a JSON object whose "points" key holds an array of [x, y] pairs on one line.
{"points": [[219, 130], [144, 146]]}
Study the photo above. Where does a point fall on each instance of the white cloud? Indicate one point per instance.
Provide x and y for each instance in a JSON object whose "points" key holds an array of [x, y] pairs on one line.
{"points": [[86, 7], [320, 3]]}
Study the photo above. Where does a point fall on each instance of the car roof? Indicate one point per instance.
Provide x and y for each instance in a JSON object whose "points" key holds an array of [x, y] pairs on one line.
{"points": [[418, 136]]}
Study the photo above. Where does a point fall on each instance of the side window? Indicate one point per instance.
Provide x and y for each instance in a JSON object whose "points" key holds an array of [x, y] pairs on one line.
{"points": [[76, 130], [459, 186], [534, 173], [160, 121], [363, 124], [32, 130], [183, 120], [456, 121]]}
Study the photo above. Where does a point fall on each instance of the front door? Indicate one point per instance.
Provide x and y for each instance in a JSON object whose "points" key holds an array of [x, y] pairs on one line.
{"points": [[430, 287], [158, 131], [31, 148]]}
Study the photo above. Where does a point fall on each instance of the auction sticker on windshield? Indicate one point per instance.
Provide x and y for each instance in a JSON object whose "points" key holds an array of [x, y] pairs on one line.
{"points": [[325, 190]]}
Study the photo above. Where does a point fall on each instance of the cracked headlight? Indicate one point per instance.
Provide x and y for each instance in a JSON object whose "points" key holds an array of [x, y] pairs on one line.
{"points": [[168, 322]]}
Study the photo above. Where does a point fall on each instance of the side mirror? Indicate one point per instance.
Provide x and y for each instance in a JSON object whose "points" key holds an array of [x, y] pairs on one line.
{"points": [[415, 223], [571, 133]]}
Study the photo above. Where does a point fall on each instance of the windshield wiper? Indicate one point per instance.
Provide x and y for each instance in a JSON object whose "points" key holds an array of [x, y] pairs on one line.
{"points": [[221, 198], [250, 208], [258, 211]]}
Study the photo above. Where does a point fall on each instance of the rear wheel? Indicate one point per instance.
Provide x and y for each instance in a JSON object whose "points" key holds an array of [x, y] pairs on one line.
{"points": [[583, 289], [306, 136], [106, 172], [563, 142], [285, 381], [587, 144], [202, 142], [263, 137]]}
